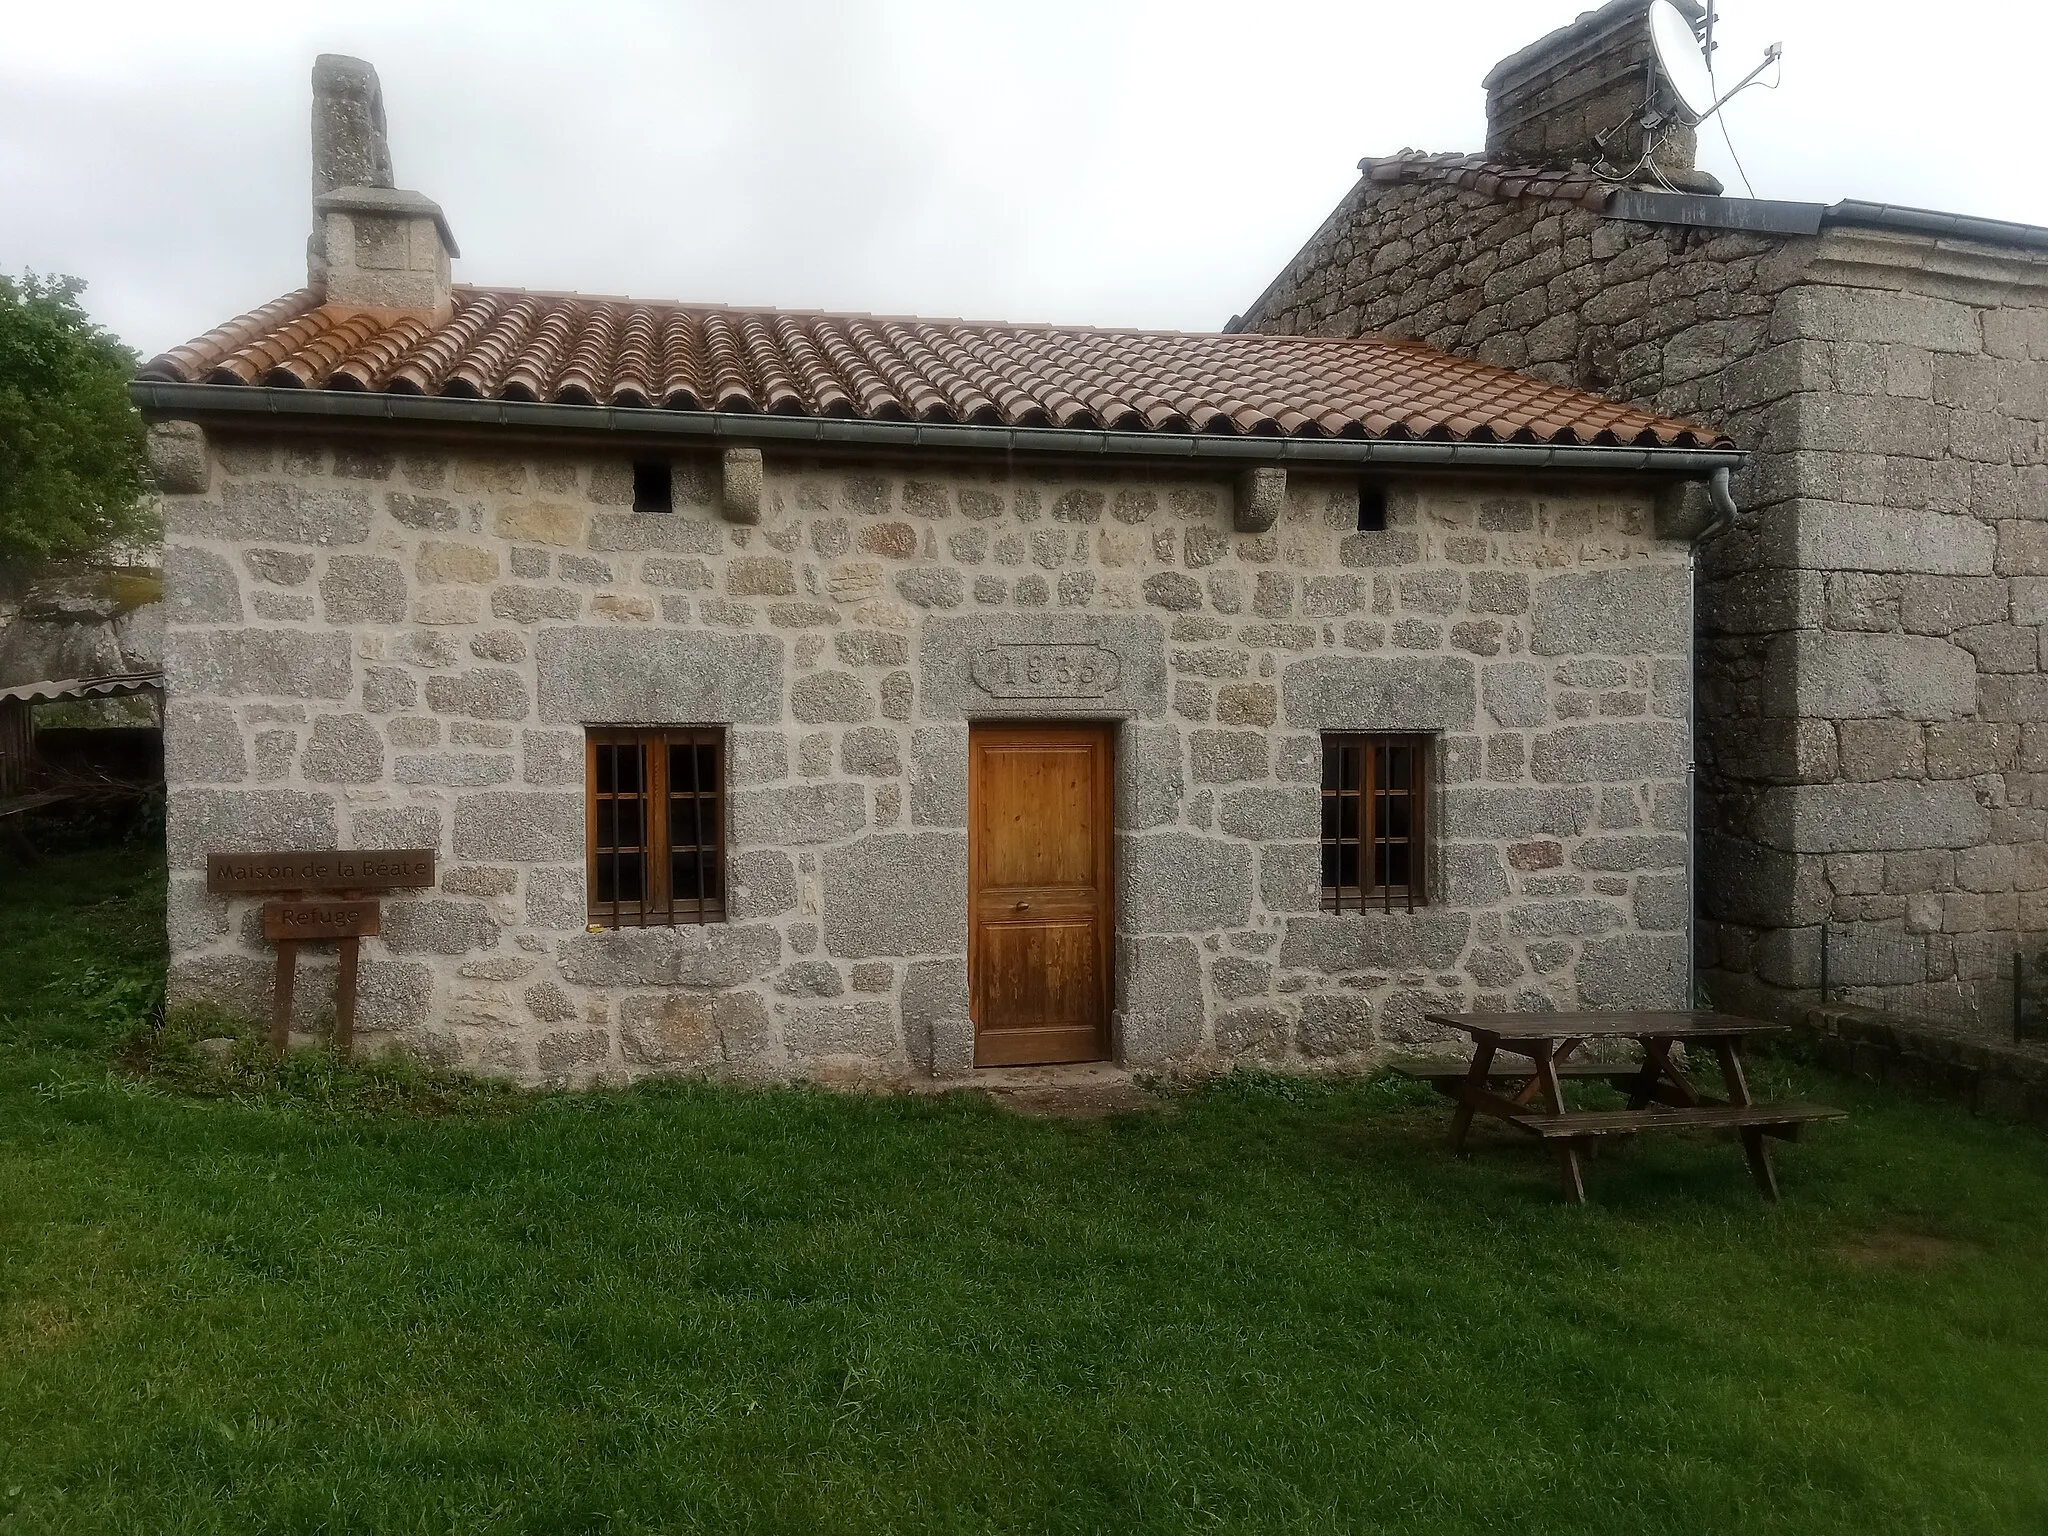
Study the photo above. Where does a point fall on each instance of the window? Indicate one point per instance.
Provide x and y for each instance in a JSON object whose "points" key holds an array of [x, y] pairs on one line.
{"points": [[1372, 509], [652, 490], [1374, 811], [656, 826]]}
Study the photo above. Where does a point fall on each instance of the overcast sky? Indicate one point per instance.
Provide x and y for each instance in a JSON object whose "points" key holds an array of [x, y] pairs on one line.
{"points": [[1119, 162]]}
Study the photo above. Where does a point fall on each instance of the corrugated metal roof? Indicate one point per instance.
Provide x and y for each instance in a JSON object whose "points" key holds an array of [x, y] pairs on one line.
{"points": [[84, 687]]}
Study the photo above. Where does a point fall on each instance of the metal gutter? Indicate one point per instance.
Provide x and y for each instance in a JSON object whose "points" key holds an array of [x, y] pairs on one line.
{"points": [[238, 402], [1926, 221], [1768, 216]]}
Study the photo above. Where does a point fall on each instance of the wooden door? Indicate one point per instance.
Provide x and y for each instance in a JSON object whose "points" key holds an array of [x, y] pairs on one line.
{"points": [[1039, 892]]}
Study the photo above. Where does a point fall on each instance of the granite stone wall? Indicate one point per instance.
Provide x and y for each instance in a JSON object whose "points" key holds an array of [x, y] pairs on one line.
{"points": [[1873, 709], [400, 646]]}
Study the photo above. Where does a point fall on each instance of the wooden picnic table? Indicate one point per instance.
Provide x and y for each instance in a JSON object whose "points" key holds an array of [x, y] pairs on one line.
{"points": [[1660, 1094]]}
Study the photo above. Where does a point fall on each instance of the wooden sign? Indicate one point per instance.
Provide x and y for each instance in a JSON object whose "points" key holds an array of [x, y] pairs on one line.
{"points": [[320, 919], [329, 869], [288, 924]]}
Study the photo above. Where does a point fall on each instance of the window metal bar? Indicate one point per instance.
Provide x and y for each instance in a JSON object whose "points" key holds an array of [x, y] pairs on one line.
{"points": [[704, 754]]}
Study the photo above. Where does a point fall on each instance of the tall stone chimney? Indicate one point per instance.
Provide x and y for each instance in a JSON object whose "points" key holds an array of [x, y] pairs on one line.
{"points": [[1549, 104], [374, 246]]}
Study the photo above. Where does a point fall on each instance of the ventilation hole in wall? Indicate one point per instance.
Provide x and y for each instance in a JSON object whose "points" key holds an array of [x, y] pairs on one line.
{"points": [[651, 490], [1372, 509]]}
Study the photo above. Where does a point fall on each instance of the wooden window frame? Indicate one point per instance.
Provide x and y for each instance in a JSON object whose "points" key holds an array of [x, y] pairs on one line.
{"points": [[1375, 749], [657, 905]]}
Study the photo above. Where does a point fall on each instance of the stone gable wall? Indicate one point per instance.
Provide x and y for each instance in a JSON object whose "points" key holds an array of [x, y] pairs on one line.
{"points": [[400, 648], [1873, 709]]}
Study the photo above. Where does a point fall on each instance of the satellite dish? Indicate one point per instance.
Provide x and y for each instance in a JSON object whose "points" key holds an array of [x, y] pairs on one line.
{"points": [[1679, 55]]}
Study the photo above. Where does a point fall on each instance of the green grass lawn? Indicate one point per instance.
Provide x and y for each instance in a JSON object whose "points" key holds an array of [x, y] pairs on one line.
{"points": [[1271, 1306]]}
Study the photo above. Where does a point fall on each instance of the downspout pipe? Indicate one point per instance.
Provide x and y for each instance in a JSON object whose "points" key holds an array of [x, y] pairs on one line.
{"points": [[1724, 506], [1722, 520]]}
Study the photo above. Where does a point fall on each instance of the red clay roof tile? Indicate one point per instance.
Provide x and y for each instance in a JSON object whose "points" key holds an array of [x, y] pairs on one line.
{"points": [[572, 349], [1492, 178]]}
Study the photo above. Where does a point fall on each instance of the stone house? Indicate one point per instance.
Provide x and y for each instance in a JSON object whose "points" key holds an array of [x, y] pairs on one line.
{"points": [[789, 694], [1873, 709]]}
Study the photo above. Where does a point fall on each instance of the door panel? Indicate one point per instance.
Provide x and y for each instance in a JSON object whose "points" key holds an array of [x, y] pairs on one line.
{"points": [[1039, 822]]}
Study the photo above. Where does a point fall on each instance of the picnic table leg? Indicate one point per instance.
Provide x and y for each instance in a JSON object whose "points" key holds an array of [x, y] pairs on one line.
{"points": [[1567, 1152], [1753, 1148], [1658, 1066], [1475, 1082], [1760, 1167], [1568, 1166]]}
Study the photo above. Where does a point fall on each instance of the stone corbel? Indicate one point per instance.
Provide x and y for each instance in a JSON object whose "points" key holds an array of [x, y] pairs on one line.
{"points": [[739, 494], [1260, 495], [177, 457]]}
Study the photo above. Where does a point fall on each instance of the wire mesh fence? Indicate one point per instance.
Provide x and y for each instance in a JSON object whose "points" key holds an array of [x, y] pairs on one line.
{"points": [[1989, 985]]}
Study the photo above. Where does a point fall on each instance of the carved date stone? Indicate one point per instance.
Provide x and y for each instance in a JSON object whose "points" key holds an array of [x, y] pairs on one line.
{"points": [[1045, 671]]}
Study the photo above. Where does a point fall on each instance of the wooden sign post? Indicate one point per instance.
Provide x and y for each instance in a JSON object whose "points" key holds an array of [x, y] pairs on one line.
{"points": [[305, 915]]}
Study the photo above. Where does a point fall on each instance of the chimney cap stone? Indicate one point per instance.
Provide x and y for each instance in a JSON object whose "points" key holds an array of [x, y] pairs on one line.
{"points": [[394, 201]]}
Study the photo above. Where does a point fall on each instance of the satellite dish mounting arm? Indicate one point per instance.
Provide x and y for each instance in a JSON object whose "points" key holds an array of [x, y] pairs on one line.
{"points": [[1771, 56]]}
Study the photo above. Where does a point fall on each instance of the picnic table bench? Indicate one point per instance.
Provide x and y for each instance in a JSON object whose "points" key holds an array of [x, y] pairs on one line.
{"points": [[1661, 1096]]}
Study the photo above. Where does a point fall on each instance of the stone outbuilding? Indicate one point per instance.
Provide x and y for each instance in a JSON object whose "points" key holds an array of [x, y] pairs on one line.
{"points": [[1873, 706], [789, 694]]}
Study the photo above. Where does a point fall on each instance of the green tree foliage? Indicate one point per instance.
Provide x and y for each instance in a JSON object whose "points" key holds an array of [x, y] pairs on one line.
{"points": [[72, 472]]}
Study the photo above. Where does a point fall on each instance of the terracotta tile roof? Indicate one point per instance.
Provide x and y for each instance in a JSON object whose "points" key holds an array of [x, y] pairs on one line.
{"points": [[574, 349], [1475, 173]]}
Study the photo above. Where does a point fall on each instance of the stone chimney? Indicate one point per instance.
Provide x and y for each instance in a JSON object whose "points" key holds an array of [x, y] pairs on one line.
{"points": [[1548, 104], [373, 245]]}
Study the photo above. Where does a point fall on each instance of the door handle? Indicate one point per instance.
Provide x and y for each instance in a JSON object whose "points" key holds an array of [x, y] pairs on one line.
{"points": [[1023, 906]]}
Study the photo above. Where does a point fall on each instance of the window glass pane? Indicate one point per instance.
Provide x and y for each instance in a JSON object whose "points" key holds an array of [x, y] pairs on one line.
{"points": [[607, 772], [682, 769], [1347, 816], [685, 879], [689, 821], [1350, 768], [619, 877], [1394, 865], [626, 824], [1347, 864], [707, 767], [1329, 815], [1330, 866], [630, 759]]}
